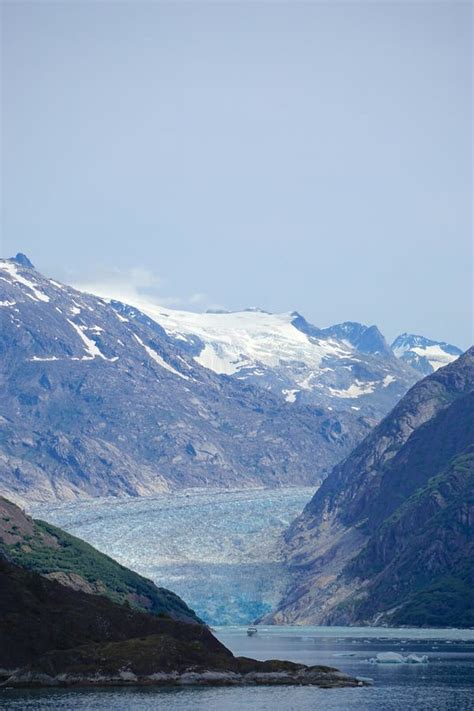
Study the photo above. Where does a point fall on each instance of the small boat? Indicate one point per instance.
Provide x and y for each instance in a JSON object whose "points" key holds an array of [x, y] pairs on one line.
{"points": [[251, 631]]}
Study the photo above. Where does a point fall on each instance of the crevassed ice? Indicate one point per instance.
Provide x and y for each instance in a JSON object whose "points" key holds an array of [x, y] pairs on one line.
{"points": [[219, 550]]}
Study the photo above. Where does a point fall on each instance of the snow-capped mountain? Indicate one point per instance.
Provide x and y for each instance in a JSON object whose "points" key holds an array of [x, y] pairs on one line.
{"points": [[423, 354], [98, 400], [344, 367], [103, 398]]}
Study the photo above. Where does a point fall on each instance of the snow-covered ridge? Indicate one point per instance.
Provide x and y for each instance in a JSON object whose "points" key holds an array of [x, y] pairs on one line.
{"points": [[423, 353], [284, 354], [336, 367], [239, 340]]}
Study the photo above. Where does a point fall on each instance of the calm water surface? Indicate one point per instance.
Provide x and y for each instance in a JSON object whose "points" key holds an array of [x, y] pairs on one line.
{"points": [[445, 683]]}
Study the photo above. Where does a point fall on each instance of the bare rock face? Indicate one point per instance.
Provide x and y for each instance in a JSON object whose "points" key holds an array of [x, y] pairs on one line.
{"points": [[394, 520]]}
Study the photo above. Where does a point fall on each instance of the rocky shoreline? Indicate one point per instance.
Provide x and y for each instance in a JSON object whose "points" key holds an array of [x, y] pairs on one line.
{"points": [[299, 675]]}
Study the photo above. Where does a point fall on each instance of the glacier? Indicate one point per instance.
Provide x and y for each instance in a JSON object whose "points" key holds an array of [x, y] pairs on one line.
{"points": [[218, 550]]}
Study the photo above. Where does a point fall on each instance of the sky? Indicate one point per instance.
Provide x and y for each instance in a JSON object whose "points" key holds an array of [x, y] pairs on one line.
{"points": [[310, 156]]}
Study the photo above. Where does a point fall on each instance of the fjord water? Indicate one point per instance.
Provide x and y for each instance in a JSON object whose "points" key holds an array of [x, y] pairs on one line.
{"points": [[443, 684]]}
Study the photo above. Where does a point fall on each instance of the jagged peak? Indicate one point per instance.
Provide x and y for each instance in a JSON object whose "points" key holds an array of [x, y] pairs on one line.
{"points": [[366, 339], [406, 341], [23, 260]]}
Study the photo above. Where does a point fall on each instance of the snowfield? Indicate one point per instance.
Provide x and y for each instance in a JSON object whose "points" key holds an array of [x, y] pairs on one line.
{"points": [[239, 340], [218, 551]]}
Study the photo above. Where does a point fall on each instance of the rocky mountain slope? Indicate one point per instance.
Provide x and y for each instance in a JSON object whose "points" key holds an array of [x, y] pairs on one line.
{"points": [[45, 549], [100, 398], [51, 635], [388, 536], [97, 399], [423, 354]]}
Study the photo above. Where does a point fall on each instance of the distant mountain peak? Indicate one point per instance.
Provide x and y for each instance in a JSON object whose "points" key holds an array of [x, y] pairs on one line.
{"points": [[424, 354], [22, 259], [366, 339]]}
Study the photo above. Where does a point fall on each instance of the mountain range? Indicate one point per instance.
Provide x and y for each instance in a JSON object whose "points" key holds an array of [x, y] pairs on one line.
{"points": [[388, 537], [104, 398]]}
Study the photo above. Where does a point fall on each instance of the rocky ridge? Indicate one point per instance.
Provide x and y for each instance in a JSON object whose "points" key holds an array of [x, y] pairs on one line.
{"points": [[394, 519]]}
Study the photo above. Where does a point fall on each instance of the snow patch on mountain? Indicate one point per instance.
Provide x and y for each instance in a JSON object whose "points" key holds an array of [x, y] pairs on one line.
{"points": [[90, 346], [355, 390], [286, 355], [12, 270], [158, 359]]}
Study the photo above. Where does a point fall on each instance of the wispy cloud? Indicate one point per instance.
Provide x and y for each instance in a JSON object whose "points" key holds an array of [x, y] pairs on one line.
{"points": [[138, 286]]}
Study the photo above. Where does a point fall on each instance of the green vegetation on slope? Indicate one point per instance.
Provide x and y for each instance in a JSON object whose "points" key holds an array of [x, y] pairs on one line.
{"points": [[420, 562]]}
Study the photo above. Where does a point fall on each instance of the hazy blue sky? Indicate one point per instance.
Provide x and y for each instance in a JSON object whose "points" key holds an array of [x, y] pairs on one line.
{"points": [[310, 156]]}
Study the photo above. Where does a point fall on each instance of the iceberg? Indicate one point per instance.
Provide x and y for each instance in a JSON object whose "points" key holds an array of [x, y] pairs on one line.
{"points": [[387, 658], [396, 658], [416, 659]]}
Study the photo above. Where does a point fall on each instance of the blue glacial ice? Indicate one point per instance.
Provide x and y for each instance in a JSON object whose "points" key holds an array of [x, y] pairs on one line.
{"points": [[220, 551]]}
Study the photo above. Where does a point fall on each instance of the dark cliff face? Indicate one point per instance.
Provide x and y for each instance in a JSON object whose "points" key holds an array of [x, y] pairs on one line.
{"points": [[97, 400], [39, 615], [363, 549], [419, 564]]}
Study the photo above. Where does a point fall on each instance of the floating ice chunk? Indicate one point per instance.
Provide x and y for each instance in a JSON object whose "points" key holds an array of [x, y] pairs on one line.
{"points": [[387, 658], [416, 659], [396, 658]]}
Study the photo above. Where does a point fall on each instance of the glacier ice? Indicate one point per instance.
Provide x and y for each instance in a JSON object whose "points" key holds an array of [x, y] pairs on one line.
{"points": [[218, 550]]}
